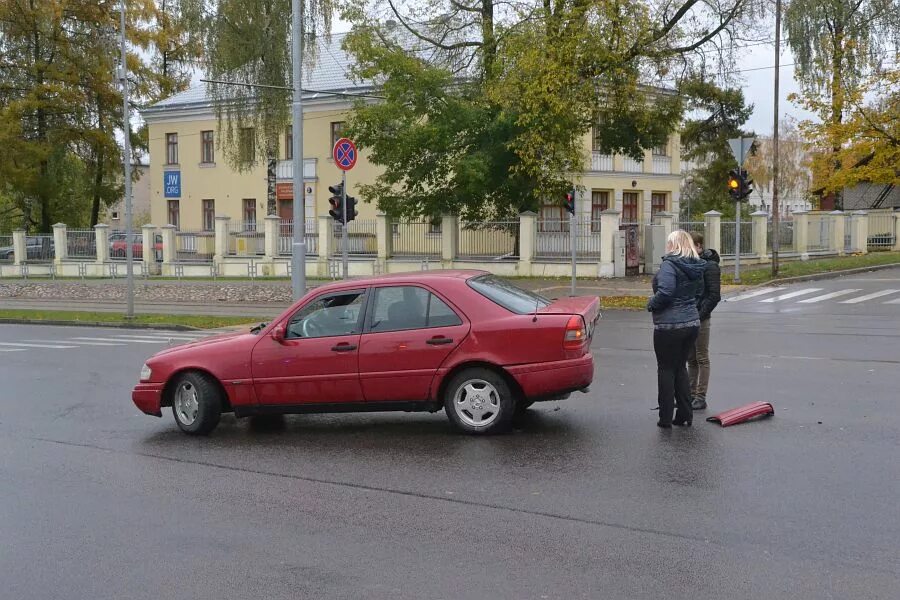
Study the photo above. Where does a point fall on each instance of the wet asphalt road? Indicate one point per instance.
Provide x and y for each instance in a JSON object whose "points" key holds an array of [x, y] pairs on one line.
{"points": [[587, 498]]}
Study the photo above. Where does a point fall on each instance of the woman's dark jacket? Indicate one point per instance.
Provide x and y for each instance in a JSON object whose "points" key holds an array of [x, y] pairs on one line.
{"points": [[677, 287]]}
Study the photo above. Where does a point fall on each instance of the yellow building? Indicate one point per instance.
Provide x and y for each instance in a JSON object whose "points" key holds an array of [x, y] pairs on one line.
{"points": [[191, 183]]}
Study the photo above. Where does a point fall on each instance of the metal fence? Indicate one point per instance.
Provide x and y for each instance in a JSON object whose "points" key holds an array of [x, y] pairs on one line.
{"points": [[361, 238], [7, 251], [491, 240], [729, 238], [195, 246], [286, 237], [881, 230], [39, 248], [81, 243], [785, 238], [416, 239], [819, 231], [245, 240], [692, 226], [554, 241]]}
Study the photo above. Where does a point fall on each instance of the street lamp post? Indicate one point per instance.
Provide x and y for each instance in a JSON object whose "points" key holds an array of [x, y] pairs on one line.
{"points": [[298, 250], [126, 132]]}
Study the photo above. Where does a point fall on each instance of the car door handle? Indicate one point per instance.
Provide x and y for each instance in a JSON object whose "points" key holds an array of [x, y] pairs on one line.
{"points": [[438, 341], [344, 347]]}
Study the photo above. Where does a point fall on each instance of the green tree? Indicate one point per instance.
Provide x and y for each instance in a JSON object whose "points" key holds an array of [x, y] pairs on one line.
{"points": [[485, 109], [837, 45], [720, 115], [249, 42]]}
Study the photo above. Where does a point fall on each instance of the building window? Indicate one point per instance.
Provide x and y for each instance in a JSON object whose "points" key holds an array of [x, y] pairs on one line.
{"points": [[630, 207], [657, 204], [209, 215], [174, 214], [207, 148], [337, 131], [599, 203], [662, 150], [171, 148], [289, 143], [250, 214], [550, 218], [115, 215], [247, 145]]}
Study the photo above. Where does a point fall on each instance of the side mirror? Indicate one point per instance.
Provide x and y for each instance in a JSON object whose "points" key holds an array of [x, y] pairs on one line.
{"points": [[278, 333]]}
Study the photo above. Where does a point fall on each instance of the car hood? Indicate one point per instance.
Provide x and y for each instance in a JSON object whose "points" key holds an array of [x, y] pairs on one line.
{"points": [[216, 340]]}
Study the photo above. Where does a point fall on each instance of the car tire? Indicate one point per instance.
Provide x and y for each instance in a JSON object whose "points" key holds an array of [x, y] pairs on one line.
{"points": [[479, 401], [196, 403]]}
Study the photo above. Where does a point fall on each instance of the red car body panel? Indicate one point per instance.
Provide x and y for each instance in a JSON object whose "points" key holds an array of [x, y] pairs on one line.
{"points": [[259, 371]]}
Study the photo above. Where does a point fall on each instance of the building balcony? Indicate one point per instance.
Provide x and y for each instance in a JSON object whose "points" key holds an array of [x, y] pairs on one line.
{"points": [[662, 165], [633, 166], [601, 162], [285, 169]]}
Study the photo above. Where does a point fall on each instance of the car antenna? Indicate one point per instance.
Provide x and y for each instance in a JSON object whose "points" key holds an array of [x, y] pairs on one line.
{"points": [[537, 304]]}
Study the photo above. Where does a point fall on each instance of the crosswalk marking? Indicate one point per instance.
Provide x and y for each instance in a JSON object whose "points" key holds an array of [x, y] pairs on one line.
{"points": [[12, 349], [869, 297], [837, 294], [754, 294], [80, 343], [160, 336], [29, 345], [120, 340], [790, 295], [895, 301]]}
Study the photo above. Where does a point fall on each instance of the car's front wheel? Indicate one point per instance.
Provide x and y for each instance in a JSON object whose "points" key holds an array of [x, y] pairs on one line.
{"points": [[479, 401], [196, 403]]}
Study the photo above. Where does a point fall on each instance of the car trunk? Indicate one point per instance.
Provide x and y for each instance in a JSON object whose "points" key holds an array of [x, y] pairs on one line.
{"points": [[587, 307]]}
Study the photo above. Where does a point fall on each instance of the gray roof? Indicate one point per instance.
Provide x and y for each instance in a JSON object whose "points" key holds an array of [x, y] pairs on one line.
{"points": [[331, 73]]}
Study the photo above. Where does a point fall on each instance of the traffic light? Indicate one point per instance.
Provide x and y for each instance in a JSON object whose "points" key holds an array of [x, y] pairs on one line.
{"points": [[337, 202], [734, 184], [570, 202], [351, 208], [746, 185]]}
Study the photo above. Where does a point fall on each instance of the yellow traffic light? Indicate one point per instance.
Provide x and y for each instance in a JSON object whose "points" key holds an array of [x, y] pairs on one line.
{"points": [[733, 183]]}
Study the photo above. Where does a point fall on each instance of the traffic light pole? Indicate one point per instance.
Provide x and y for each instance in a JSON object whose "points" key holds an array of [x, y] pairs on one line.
{"points": [[344, 224], [737, 243], [572, 241]]}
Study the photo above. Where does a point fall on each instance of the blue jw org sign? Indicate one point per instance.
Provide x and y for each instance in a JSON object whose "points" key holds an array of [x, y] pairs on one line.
{"points": [[172, 184]]}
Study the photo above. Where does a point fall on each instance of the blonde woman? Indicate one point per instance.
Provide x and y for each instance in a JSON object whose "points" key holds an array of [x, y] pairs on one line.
{"points": [[676, 288]]}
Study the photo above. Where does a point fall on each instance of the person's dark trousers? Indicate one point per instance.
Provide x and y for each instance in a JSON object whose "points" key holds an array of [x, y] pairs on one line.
{"points": [[672, 347]]}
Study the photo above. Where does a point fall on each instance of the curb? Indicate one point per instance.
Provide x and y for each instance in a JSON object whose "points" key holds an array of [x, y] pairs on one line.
{"points": [[826, 275], [163, 326]]}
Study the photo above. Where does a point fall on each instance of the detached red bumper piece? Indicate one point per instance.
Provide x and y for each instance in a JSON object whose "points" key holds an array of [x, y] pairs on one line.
{"points": [[743, 413]]}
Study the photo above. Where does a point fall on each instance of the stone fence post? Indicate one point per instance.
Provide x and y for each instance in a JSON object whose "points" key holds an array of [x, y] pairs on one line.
{"points": [[20, 248], [609, 226], [101, 242], [859, 231], [449, 238], [60, 245], [713, 231], [527, 241], [760, 229], [838, 231]]}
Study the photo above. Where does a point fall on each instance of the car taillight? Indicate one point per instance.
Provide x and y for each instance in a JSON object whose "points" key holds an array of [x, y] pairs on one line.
{"points": [[576, 333]]}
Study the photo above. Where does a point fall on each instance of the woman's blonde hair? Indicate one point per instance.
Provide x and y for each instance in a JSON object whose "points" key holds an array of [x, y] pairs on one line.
{"points": [[680, 243]]}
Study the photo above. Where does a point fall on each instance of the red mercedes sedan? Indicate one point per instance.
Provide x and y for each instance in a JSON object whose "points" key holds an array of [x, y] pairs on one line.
{"points": [[466, 341]]}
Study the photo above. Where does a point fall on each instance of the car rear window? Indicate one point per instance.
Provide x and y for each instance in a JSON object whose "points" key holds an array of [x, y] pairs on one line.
{"points": [[509, 296]]}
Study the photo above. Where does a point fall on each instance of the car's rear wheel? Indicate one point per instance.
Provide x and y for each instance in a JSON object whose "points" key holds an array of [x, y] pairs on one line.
{"points": [[196, 403], [479, 401]]}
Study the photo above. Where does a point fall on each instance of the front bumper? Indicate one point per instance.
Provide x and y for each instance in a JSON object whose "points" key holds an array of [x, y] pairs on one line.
{"points": [[148, 398], [555, 378]]}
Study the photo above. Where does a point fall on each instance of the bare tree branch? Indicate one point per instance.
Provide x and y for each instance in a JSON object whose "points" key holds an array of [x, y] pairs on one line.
{"points": [[433, 42]]}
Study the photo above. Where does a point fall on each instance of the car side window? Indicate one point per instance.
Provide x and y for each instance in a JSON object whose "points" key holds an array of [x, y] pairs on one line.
{"points": [[328, 316], [409, 307]]}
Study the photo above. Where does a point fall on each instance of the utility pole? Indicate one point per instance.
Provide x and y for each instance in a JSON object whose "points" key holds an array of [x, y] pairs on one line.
{"points": [[126, 129], [298, 247], [776, 217]]}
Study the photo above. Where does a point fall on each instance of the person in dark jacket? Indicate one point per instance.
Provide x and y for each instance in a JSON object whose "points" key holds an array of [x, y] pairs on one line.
{"points": [[698, 360], [676, 287]]}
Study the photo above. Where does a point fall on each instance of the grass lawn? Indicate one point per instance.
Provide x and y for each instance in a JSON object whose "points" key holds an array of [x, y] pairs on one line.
{"points": [[763, 273], [624, 302], [198, 321]]}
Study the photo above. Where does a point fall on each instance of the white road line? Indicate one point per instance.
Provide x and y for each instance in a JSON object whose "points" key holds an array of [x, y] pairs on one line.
{"points": [[12, 349], [155, 337], [828, 296], [92, 339], [27, 345], [896, 301], [163, 340], [754, 294], [792, 295], [869, 297], [79, 342]]}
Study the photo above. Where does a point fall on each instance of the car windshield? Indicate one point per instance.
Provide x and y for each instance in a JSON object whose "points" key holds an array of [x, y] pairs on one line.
{"points": [[509, 296]]}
